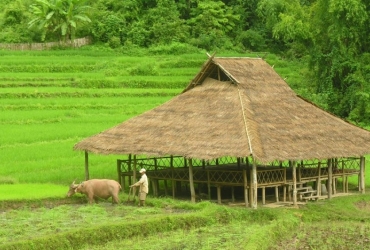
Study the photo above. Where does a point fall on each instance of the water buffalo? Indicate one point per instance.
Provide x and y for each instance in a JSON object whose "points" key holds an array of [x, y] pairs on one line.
{"points": [[96, 188]]}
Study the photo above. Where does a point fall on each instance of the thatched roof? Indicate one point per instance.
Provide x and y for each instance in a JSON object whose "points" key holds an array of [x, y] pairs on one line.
{"points": [[234, 107]]}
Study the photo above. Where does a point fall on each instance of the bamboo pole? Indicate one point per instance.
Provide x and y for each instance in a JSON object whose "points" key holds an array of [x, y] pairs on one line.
{"points": [[343, 178], [330, 177], [318, 184], [245, 187], [254, 177], [165, 188], [209, 185], [87, 176], [277, 193], [191, 181], [284, 187], [219, 194], [134, 174], [232, 194], [293, 165], [129, 168], [362, 174], [119, 172], [251, 187], [172, 176]]}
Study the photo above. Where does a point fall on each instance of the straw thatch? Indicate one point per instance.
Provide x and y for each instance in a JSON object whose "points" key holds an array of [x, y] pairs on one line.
{"points": [[234, 107]]}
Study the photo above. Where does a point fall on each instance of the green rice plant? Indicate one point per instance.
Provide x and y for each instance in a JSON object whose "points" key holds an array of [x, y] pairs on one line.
{"points": [[7, 180], [57, 92], [21, 191]]}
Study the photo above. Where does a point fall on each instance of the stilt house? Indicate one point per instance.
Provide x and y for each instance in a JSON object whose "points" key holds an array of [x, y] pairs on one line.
{"points": [[238, 126]]}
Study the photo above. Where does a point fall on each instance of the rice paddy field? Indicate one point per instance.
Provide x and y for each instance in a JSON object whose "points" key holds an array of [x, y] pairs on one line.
{"points": [[50, 100]]}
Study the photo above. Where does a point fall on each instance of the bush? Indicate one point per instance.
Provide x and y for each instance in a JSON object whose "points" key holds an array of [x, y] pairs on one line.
{"points": [[114, 42], [251, 39], [174, 48]]}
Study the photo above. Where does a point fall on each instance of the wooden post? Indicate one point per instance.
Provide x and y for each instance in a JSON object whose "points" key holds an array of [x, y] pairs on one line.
{"points": [[284, 193], [209, 186], [343, 178], [232, 194], [129, 169], [245, 188], [293, 165], [87, 177], [172, 174], [330, 177], [284, 187], [254, 177], [263, 195], [219, 194], [335, 177], [165, 188], [119, 172], [251, 187], [277, 193], [134, 175], [318, 182], [192, 190], [362, 174]]}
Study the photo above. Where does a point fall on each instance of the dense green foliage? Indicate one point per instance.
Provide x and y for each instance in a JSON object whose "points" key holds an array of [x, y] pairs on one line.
{"points": [[58, 16]]}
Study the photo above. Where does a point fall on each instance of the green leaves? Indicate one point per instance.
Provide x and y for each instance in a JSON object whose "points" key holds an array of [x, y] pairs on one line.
{"points": [[58, 17]]}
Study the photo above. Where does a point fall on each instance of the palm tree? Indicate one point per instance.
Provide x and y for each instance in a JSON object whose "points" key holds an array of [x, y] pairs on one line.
{"points": [[58, 16]]}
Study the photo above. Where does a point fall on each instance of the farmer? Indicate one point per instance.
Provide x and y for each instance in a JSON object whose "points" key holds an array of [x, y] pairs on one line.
{"points": [[143, 183]]}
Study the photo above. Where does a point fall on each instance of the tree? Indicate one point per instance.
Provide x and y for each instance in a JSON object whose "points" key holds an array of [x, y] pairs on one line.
{"points": [[287, 23], [58, 17], [340, 37], [165, 24], [13, 28], [211, 22]]}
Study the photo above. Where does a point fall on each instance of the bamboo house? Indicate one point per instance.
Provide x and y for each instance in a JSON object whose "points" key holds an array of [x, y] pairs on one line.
{"points": [[238, 126]]}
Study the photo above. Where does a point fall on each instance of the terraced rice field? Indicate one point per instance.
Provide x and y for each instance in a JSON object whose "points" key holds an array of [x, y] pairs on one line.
{"points": [[50, 100]]}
